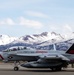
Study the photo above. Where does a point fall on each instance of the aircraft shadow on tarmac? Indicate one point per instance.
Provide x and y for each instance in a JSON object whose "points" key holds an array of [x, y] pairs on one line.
{"points": [[36, 70], [47, 71]]}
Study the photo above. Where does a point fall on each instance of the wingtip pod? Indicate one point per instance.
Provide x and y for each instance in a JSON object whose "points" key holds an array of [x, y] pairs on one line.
{"points": [[71, 49]]}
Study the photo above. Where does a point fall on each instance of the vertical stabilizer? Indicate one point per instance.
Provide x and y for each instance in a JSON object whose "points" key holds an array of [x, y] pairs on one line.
{"points": [[71, 50], [54, 47]]}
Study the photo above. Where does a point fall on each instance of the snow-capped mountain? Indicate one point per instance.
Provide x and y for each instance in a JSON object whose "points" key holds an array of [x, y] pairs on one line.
{"points": [[38, 38], [68, 36], [5, 39], [38, 41]]}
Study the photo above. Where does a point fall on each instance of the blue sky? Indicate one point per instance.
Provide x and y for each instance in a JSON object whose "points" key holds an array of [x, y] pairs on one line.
{"points": [[23, 17]]}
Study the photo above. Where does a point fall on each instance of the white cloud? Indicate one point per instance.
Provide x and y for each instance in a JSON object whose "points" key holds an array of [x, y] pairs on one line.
{"points": [[36, 14], [67, 28], [7, 21], [61, 28], [30, 23], [22, 21]]}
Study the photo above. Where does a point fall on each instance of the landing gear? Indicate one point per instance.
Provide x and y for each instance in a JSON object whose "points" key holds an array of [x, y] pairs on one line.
{"points": [[16, 63], [56, 69], [16, 68]]}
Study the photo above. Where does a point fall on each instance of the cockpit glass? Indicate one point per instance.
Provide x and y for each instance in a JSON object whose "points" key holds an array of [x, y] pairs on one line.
{"points": [[16, 49]]}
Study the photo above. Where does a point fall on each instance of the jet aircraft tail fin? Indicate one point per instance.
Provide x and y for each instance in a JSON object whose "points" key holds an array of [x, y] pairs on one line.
{"points": [[71, 50]]}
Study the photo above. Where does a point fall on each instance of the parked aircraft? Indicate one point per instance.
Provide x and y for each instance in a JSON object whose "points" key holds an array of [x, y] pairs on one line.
{"points": [[53, 59]]}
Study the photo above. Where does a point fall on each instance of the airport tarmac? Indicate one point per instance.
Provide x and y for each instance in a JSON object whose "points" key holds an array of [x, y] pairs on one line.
{"points": [[7, 69]]}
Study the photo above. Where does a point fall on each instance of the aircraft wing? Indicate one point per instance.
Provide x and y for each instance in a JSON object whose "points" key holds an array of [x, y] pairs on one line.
{"points": [[46, 56], [54, 57], [47, 61]]}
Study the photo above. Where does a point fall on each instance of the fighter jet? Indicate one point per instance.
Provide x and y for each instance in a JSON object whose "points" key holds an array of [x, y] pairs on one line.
{"points": [[53, 59]]}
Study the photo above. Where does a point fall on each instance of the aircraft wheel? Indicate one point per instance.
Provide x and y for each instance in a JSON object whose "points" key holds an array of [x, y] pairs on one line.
{"points": [[16, 68], [56, 69], [53, 69]]}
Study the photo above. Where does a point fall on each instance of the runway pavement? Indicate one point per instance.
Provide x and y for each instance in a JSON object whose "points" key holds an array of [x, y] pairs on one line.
{"points": [[7, 69]]}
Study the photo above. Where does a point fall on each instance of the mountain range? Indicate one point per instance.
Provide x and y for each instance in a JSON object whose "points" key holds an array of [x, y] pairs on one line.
{"points": [[44, 41]]}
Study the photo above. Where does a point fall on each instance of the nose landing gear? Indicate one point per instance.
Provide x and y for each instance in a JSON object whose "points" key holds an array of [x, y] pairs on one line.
{"points": [[16, 68], [16, 63]]}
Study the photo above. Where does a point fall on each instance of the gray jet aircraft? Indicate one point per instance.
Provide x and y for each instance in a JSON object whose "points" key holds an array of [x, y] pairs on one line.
{"points": [[53, 59]]}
